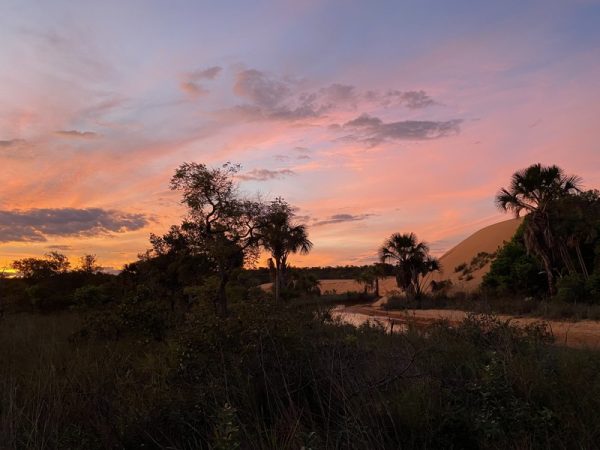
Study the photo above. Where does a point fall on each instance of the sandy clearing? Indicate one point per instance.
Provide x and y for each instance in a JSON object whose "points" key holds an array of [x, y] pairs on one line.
{"points": [[585, 333]]}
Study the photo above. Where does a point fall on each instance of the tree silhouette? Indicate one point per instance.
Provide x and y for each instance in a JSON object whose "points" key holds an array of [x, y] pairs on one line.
{"points": [[412, 259], [220, 223], [280, 236], [533, 190], [89, 264], [37, 268]]}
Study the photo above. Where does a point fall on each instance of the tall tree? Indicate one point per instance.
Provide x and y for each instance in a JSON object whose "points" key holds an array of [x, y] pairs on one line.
{"points": [[281, 236], [220, 223], [89, 264], [412, 259], [532, 190]]}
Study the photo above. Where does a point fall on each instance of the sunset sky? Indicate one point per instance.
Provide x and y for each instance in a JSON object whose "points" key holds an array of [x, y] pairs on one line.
{"points": [[371, 117]]}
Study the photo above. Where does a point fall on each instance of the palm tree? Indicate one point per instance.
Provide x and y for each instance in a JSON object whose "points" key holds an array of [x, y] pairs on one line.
{"points": [[281, 237], [378, 271], [413, 262], [532, 190], [367, 279]]}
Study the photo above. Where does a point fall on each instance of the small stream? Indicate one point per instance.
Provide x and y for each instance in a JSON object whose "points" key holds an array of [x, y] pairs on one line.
{"points": [[357, 319]]}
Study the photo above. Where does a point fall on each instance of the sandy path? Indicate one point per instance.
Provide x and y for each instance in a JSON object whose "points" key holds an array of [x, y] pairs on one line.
{"points": [[585, 333]]}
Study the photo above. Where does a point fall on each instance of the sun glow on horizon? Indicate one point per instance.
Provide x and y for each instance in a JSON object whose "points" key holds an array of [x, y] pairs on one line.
{"points": [[412, 127]]}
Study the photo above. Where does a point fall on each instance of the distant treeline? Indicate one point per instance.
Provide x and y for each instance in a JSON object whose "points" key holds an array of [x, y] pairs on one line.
{"points": [[322, 273]]}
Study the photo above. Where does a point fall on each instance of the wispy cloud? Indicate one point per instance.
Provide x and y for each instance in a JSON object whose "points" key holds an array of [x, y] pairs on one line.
{"points": [[409, 99], [341, 218], [76, 134], [271, 98], [62, 248], [266, 174], [268, 97], [15, 149], [191, 83], [11, 143]]}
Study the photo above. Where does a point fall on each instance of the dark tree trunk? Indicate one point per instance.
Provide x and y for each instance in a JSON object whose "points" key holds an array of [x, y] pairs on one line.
{"points": [[278, 276], [283, 282], [221, 301], [549, 275], [377, 287]]}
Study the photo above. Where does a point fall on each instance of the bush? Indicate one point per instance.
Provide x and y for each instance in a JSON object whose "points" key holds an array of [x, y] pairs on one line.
{"points": [[571, 289], [45, 299], [91, 296], [514, 272], [593, 287], [272, 376]]}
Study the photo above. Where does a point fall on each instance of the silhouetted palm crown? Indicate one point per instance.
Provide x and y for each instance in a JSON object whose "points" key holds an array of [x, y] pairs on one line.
{"points": [[531, 189]]}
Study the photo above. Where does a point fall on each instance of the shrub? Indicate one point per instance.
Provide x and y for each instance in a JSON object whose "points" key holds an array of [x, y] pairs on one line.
{"points": [[571, 289], [593, 287], [91, 296]]}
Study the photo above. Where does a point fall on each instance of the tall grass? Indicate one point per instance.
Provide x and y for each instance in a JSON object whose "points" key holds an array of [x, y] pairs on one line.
{"points": [[271, 377]]}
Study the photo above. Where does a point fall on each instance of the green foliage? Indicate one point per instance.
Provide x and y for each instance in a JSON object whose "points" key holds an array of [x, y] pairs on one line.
{"points": [[283, 377], [514, 272], [91, 296], [593, 286], [571, 289], [140, 315]]}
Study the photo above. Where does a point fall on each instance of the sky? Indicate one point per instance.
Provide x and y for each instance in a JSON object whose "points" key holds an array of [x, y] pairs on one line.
{"points": [[370, 117]]}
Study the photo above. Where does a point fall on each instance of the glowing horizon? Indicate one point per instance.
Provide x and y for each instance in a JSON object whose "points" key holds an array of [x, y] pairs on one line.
{"points": [[371, 119]]}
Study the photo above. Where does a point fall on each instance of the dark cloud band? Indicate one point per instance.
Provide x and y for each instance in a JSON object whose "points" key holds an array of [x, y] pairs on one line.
{"points": [[372, 130], [36, 225], [341, 218]]}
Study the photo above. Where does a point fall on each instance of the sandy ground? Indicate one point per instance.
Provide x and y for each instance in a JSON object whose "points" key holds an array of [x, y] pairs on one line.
{"points": [[585, 333]]}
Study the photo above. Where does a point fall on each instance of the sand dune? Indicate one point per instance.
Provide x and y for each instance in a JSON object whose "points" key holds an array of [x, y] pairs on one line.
{"points": [[489, 240]]}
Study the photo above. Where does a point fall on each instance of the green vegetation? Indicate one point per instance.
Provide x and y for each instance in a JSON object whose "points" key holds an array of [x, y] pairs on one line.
{"points": [[479, 261], [277, 376], [559, 239]]}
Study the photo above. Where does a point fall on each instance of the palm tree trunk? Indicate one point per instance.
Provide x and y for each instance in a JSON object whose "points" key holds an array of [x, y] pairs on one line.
{"points": [[586, 274], [283, 268], [568, 262], [377, 287], [549, 274], [278, 275]]}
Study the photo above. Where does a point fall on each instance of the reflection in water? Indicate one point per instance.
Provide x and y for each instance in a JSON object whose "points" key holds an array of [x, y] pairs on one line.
{"points": [[357, 319]]}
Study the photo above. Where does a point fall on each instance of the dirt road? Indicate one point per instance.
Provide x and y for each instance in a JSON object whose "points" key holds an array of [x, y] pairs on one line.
{"points": [[585, 333]]}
